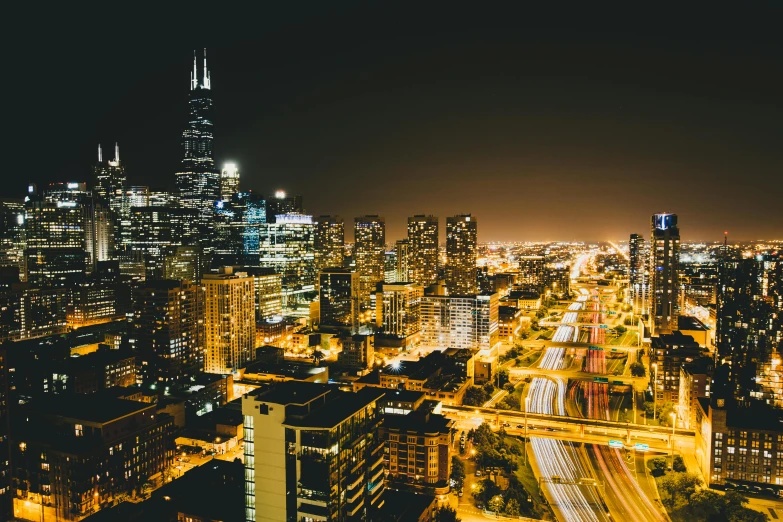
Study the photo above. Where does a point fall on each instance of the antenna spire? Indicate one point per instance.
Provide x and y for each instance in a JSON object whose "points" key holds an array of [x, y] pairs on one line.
{"points": [[116, 152], [207, 83], [100, 154], [194, 74]]}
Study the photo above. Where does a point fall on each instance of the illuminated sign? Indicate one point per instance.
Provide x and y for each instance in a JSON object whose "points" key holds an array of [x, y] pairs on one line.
{"points": [[280, 194], [72, 186], [641, 447], [66, 204], [615, 444]]}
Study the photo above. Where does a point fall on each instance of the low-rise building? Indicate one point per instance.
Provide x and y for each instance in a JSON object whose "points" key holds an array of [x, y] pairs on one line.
{"points": [[358, 352], [75, 455], [740, 447]]}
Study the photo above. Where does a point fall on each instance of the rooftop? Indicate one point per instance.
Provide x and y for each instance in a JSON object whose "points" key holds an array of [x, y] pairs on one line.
{"points": [[685, 322], [95, 407], [293, 392], [339, 406]]}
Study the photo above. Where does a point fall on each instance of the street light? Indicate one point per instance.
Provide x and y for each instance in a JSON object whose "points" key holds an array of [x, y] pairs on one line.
{"points": [[527, 407], [673, 415], [655, 388]]}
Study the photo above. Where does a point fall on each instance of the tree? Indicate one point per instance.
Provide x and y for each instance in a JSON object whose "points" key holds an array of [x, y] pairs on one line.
{"points": [[705, 504], [445, 514], [638, 369], [496, 504], [512, 508], [318, 355], [678, 464], [657, 466], [457, 472], [509, 387], [677, 488], [475, 396], [502, 377], [489, 388], [620, 329]]}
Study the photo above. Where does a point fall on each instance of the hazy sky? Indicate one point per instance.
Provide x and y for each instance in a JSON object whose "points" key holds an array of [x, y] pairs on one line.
{"points": [[543, 127]]}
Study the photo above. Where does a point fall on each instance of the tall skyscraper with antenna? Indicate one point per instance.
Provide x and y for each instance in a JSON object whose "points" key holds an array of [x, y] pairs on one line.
{"points": [[198, 180]]}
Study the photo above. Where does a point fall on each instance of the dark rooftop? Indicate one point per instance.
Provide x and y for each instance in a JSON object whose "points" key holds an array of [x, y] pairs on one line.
{"points": [[340, 405], [293, 392], [685, 322], [403, 396], [406, 506], [422, 421], [673, 339], [94, 407]]}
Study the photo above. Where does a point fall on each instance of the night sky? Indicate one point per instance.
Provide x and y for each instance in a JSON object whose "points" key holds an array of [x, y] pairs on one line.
{"points": [[569, 126]]}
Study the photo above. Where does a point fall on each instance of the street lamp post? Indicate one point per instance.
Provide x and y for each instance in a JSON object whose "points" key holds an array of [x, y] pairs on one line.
{"points": [[527, 407], [655, 388], [673, 415]]}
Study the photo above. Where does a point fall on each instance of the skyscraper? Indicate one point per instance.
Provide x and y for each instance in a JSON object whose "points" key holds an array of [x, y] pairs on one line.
{"points": [[198, 180], [398, 310], [402, 249], [637, 273], [664, 266], [229, 180], [110, 179], [230, 321], [55, 253], [461, 253], [329, 242], [338, 292], [368, 253], [423, 244], [282, 203]]}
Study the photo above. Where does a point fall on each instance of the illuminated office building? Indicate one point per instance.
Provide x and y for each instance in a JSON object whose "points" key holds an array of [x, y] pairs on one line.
{"points": [[268, 285], [398, 309], [338, 292], [28, 313], [138, 196], [198, 180], [461, 253], [66, 191], [237, 224], [664, 268], [12, 233], [99, 232], [55, 253], [638, 273], [368, 252], [110, 179], [287, 246], [390, 266], [155, 229], [531, 273], [229, 180], [423, 250], [329, 242], [230, 321], [168, 330]]}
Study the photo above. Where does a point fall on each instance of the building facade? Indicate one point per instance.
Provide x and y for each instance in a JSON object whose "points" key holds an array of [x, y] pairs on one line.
{"points": [[368, 253], [398, 309], [461, 254], [229, 312], [664, 268], [468, 322], [329, 242], [338, 296], [423, 254], [312, 452], [638, 274]]}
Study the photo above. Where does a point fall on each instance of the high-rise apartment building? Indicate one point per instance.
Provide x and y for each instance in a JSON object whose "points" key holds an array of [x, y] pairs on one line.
{"points": [[402, 249], [398, 309], [168, 330], [638, 274], [459, 321], [312, 452], [368, 253], [461, 254], [329, 242], [229, 311], [229, 180], [423, 253], [268, 286], [749, 320], [6, 494], [338, 293], [532, 273], [198, 180], [664, 268]]}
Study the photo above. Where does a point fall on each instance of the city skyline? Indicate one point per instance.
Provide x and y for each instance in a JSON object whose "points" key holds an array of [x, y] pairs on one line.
{"points": [[556, 116]]}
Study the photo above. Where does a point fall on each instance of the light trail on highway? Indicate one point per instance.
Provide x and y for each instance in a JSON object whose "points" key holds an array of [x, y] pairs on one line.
{"points": [[558, 460]]}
